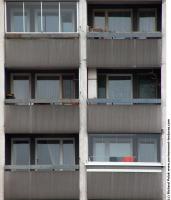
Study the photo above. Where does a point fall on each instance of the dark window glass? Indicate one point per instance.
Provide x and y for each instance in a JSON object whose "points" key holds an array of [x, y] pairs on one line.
{"points": [[68, 87], [101, 86]]}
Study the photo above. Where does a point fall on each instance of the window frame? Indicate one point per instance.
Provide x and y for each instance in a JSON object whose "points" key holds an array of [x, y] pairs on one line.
{"points": [[44, 75], [135, 138], [74, 89], [147, 9], [60, 82], [106, 12], [76, 22], [60, 147], [12, 148], [111, 75], [12, 82], [41, 20]]}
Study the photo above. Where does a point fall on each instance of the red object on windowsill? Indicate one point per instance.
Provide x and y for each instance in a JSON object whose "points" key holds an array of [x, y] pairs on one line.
{"points": [[128, 159]]}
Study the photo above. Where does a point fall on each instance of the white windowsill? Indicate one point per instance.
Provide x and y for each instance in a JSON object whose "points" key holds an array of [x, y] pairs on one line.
{"points": [[134, 164]]}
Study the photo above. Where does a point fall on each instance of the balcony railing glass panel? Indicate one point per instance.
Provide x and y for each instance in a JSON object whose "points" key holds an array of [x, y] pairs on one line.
{"points": [[42, 17]]}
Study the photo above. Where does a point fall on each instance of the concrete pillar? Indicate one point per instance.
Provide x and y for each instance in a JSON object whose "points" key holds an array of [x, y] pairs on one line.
{"points": [[83, 136], [163, 98], [92, 83], [2, 135]]}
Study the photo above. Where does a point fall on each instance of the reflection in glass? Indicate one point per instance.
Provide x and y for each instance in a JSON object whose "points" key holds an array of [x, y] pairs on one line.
{"points": [[119, 87], [68, 87], [147, 21], [99, 20], [21, 152], [47, 87], [68, 17], [48, 152], [21, 88], [120, 21]]}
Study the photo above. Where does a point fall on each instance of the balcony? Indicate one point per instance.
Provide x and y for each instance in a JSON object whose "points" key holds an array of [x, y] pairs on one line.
{"points": [[36, 40], [36, 183], [36, 116], [133, 116], [124, 181], [134, 50], [30, 51]]}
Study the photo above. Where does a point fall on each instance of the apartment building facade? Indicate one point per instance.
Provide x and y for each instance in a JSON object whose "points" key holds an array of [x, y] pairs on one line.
{"points": [[82, 99]]}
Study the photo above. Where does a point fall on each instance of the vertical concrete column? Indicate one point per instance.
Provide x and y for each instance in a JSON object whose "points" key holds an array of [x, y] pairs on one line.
{"points": [[83, 136], [163, 98], [92, 83], [2, 135]]}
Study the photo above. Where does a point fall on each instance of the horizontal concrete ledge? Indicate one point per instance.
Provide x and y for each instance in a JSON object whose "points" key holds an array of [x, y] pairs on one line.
{"points": [[130, 35], [42, 167], [41, 35], [124, 101], [41, 101], [124, 167]]}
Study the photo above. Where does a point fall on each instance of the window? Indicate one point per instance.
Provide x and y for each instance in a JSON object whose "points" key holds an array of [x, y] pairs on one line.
{"points": [[68, 87], [124, 148], [147, 88], [99, 20], [115, 86], [111, 148], [20, 152], [47, 87], [113, 20], [101, 86], [147, 150], [20, 86], [147, 20], [55, 152], [41, 17], [119, 86], [120, 21], [68, 17], [123, 20]]}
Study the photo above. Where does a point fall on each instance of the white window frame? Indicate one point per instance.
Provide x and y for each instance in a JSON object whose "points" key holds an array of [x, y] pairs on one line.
{"points": [[20, 74], [12, 148], [41, 15], [111, 75], [73, 24], [24, 13], [76, 23], [60, 147], [147, 9]]}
